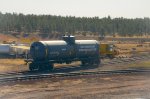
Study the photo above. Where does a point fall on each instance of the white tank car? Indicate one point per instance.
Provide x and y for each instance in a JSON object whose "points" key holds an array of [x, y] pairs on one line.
{"points": [[5, 48]]}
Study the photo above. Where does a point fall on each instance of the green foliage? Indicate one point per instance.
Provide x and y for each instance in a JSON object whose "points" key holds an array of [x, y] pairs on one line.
{"points": [[58, 24]]}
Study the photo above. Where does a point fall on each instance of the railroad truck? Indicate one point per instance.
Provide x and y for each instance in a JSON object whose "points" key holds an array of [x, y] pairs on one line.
{"points": [[45, 53]]}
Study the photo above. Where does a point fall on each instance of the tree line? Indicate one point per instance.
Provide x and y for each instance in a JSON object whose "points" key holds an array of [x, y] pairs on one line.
{"points": [[13, 22]]}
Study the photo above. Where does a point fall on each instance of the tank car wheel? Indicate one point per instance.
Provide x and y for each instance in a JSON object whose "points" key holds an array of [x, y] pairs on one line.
{"points": [[31, 67], [46, 67], [49, 67], [83, 63], [96, 62], [41, 68], [90, 62]]}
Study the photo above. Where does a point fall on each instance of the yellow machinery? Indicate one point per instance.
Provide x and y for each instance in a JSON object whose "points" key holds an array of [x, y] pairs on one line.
{"points": [[28, 40], [108, 50]]}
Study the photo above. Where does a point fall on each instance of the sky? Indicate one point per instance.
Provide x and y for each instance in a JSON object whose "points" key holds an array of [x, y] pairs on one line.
{"points": [[79, 8]]}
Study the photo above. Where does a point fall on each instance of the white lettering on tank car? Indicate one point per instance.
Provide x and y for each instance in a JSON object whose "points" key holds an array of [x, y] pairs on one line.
{"points": [[87, 48], [93, 49], [64, 49], [54, 53]]}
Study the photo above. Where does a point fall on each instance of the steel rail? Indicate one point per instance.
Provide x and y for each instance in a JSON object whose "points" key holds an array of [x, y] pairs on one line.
{"points": [[115, 61], [58, 75], [20, 76]]}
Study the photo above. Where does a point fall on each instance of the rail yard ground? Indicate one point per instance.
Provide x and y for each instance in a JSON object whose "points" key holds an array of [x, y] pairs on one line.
{"points": [[129, 86], [126, 86]]}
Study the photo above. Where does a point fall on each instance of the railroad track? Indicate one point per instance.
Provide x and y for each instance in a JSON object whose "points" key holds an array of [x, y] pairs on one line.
{"points": [[26, 75], [74, 74], [113, 61], [9, 73]]}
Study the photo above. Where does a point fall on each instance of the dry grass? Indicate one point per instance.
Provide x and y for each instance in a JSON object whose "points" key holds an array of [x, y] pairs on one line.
{"points": [[11, 61], [128, 48], [144, 65], [9, 65], [144, 36]]}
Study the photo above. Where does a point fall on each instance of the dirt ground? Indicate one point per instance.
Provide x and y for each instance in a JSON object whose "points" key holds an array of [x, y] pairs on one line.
{"points": [[129, 86], [17, 65], [12, 65]]}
